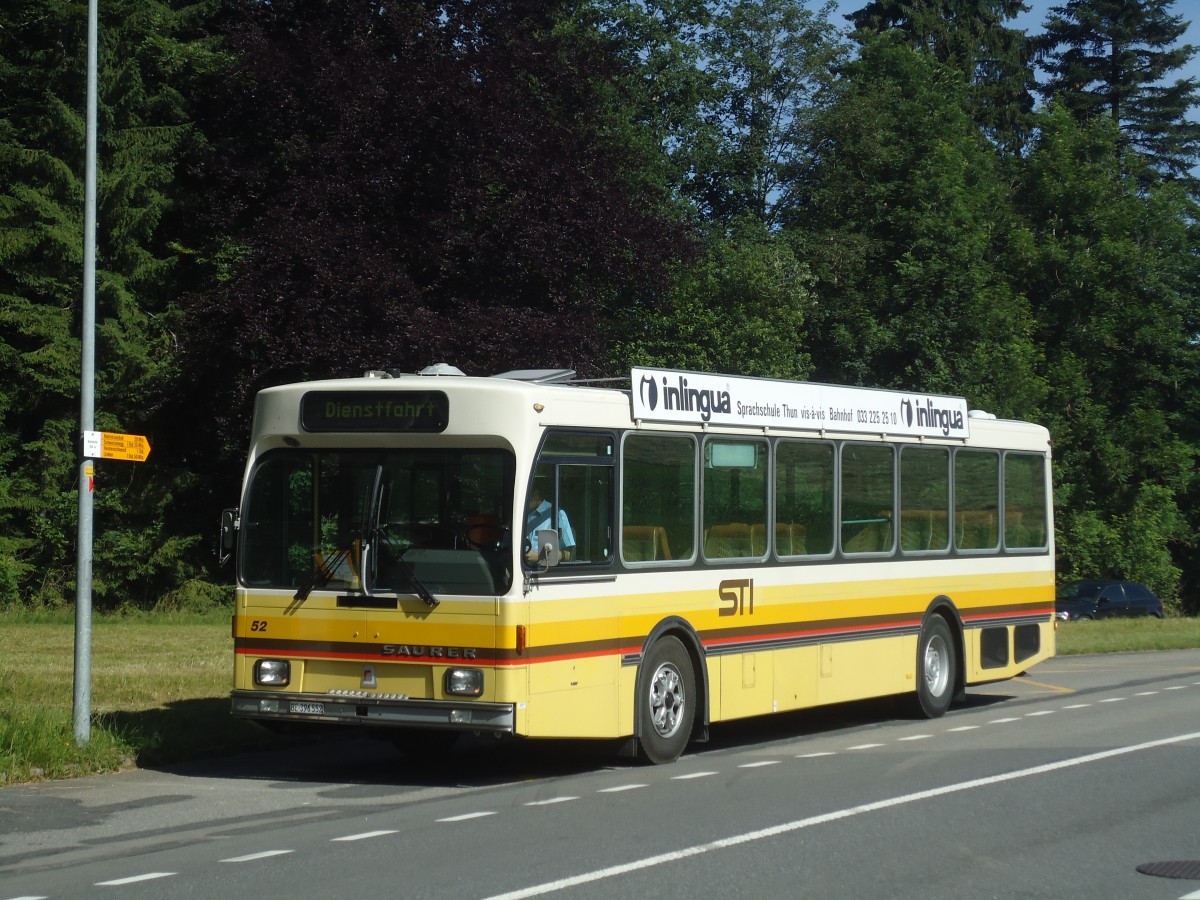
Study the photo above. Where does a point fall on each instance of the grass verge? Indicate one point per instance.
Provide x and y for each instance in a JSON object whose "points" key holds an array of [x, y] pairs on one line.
{"points": [[160, 688], [1125, 635]]}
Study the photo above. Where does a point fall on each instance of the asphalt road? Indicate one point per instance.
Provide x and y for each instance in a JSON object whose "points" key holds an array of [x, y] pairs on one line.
{"points": [[1062, 783]]}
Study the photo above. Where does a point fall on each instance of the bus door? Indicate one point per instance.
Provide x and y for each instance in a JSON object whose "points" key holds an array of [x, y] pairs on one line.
{"points": [[572, 637]]}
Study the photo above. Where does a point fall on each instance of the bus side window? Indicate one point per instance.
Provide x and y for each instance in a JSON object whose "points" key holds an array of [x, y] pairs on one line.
{"points": [[976, 500], [804, 498], [868, 498], [924, 499], [1024, 501], [658, 498]]}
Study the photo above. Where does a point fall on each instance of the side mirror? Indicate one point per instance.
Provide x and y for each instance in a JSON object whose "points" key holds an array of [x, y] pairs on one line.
{"points": [[227, 537], [549, 553]]}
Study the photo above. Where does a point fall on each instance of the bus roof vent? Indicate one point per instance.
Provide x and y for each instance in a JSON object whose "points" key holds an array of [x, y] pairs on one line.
{"points": [[540, 376], [441, 369], [979, 414], [376, 373]]}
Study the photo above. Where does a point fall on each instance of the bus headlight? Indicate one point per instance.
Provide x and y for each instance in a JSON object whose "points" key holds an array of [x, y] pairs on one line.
{"points": [[463, 682], [272, 672]]}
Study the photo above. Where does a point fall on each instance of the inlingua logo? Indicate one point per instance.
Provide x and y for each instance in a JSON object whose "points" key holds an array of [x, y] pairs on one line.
{"points": [[649, 392], [930, 416], [690, 399]]}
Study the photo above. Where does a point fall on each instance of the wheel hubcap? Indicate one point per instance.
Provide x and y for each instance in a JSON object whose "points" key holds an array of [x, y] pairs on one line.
{"points": [[937, 666], [667, 701]]}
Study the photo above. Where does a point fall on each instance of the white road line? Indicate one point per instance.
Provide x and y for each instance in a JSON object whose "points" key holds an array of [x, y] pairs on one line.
{"points": [[692, 775], [759, 764], [364, 836], [250, 857], [1194, 895], [963, 728], [787, 827], [550, 802], [466, 816], [1175, 687], [619, 788], [815, 755], [27, 898], [864, 746], [1147, 693], [1040, 712], [134, 879], [916, 737], [1077, 706], [1112, 699]]}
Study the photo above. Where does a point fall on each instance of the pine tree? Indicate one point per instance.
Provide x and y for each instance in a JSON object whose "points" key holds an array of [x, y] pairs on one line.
{"points": [[905, 223], [1110, 271], [1115, 57], [140, 132], [971, 37]]}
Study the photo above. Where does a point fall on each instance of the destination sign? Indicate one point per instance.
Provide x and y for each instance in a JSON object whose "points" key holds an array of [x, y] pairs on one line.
{"points": [[110, 445], [692, 397], [369, 411]]}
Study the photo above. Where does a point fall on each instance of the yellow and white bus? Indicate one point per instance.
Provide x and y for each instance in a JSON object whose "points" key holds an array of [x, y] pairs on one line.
{"points": [[518, 555]]}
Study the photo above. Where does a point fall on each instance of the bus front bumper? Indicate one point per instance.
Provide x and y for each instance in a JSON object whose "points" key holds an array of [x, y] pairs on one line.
{"points": [[366, 709]]}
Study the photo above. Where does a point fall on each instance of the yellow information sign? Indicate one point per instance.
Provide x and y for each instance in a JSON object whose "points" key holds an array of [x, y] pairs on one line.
{"points": [[109, 445]]}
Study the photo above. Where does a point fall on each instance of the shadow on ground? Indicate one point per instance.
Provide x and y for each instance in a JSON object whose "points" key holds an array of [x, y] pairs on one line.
{"points": [[200, 738]]}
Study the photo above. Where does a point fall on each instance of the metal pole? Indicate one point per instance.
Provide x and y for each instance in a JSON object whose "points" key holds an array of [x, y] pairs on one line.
{"points": [[87, 403]]}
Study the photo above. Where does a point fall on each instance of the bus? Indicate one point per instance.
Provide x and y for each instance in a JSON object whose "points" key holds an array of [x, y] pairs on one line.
{"points": [[433, 554]]}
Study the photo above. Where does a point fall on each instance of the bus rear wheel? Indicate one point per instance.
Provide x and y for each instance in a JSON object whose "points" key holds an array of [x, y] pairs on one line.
{"points": [[666, 701], [937, 669]]}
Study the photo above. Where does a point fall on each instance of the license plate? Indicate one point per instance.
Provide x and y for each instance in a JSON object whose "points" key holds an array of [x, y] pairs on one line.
{"points": [[312, 709]]}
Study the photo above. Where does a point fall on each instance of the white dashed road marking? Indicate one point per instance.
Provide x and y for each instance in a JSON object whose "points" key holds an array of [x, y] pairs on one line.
{"points": [[735, 840], [134, 879], [251, 857], [364, 836], [550, 802], [786, 827], [465, 816]]}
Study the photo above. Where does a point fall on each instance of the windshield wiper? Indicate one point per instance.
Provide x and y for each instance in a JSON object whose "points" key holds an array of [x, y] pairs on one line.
{"points": [[418, 588], [325, 570]]}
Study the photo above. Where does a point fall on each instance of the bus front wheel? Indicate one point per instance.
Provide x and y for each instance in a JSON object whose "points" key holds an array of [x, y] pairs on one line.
{"points": [[937, 668], [666, 702]]}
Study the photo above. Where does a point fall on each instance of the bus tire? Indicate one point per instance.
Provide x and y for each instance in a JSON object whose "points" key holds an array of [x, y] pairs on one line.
{"points": [[937, 669], [666, 701]]}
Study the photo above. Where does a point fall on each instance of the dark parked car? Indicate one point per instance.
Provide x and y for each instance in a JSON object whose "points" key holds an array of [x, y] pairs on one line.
{"points": [[1103, 599]]}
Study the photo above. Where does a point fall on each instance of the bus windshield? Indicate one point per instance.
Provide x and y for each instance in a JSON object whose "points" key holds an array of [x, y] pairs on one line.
{"points": [[400, 521]]}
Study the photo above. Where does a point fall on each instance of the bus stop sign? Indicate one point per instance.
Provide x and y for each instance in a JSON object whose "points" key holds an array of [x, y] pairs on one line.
{"points": [[108, 445]]}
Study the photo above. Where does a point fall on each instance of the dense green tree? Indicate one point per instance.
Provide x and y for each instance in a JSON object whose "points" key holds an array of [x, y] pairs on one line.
{"points": [[662, 81], [972, 37], [769, 66], [905, 226], [1115, 58], [743, 309], [142, 133], [1111, 274], [424, 182]]}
